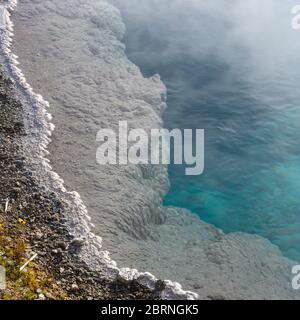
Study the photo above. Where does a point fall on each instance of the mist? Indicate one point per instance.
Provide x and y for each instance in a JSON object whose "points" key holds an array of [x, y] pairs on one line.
{"points": [[231, 68], [229, 31]]}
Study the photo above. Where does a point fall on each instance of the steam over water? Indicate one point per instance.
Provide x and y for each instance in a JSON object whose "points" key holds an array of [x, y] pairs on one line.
{"points": [[213, 57], [232, 68]]}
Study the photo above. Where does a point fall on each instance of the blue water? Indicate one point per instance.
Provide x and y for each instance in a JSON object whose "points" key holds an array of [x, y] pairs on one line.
{"points": [[247, 98]]}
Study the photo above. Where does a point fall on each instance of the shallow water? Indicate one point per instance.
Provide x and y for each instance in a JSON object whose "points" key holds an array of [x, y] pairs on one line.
{"points": [[246, 96], [71, 52]]}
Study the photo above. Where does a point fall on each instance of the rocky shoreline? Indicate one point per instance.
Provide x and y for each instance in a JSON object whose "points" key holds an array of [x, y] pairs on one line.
{"points": [[42, 214]]}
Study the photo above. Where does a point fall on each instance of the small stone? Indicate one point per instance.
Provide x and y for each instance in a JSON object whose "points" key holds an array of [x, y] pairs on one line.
{"points": [[74, 286], [39, 235], [57, 251], [49, 296], [42, 297], [78, 242], [62, 245], [17, 190]]}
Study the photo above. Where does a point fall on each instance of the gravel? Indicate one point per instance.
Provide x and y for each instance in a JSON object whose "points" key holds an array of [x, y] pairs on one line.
{"points": [[43, 214]]}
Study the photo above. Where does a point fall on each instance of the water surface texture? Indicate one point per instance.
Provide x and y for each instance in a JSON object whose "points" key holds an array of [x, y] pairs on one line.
{"points": [[223, 74], [234, 70]]}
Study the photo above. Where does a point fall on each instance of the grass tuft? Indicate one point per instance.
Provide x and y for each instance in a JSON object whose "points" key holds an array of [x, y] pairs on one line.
{"points": [[31, 283]]}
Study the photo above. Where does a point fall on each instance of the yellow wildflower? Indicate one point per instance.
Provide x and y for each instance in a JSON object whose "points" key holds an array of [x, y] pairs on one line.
{"points": [[21, 221]]}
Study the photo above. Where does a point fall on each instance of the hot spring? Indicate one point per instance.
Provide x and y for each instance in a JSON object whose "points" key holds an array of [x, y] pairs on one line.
{"points": [[230, 68]]}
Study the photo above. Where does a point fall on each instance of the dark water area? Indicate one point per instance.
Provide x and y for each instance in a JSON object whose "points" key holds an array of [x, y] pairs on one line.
{"points": [[244, 91]]}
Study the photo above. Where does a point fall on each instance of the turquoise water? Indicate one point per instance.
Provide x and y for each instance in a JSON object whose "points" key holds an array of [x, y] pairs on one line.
{"points": [[251, 181], [241, 84]]}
